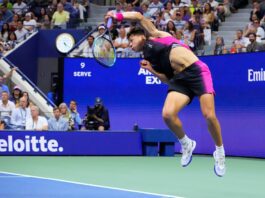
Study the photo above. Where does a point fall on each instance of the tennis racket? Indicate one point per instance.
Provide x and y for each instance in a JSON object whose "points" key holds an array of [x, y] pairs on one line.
{"points": [[103, 49]]}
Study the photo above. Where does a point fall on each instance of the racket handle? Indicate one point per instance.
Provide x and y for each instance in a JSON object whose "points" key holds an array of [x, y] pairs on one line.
{"points": [[109, 22]]}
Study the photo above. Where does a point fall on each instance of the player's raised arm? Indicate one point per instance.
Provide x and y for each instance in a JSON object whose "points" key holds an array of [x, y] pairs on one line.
{"points": [[144, 22]]}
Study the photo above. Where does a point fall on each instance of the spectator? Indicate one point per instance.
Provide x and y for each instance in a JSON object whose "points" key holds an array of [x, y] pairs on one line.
{"points": [[208, 16], [36, 122], [121, 43], [118, 9], [74, 13], [21, 32], [66, 114], [101, 30], [194, 6], [57, 123], [20, 115], [256, 10], [8, 4], [179, 23], [42, 15], [113, 31], [19, 7], [155, 7], [168, 12], [4, 87], [214, 4], [85, 3], [53, 93], [86, 49], [170, 28], [14, 23], [46, 23], [4, 32], [52, 8], [223, 10], [12, 40], [7, 15], [6, 108], [97, 118], [129, 7], [60, 17], [26, 95], [16, 95], [240, 43], [185, 12], [219, 47], [253, 46], [75, 115], [189, 35], [255, 27], [250, 25], [176, 4], [260, 33], [144, 9], [29, 23], [82, 10], [180, 36]]}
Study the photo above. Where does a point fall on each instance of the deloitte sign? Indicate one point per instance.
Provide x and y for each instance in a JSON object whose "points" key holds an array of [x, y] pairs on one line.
{"points": [[29, 144]]}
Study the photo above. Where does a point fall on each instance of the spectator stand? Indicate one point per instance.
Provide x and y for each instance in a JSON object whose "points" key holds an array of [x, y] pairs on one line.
{"points": [[36, 95]]}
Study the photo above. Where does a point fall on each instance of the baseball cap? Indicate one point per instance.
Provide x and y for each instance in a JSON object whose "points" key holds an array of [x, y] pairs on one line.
{"points": [[17, 87], [28, 14], [98, 101], [101, 27]]}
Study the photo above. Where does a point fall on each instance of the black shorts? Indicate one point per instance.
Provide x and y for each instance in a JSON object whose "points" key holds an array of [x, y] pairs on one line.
{"points": [[195, 80]]}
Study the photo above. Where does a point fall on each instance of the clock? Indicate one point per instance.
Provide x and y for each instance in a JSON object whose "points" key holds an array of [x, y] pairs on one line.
{"points": [[64, 42]]}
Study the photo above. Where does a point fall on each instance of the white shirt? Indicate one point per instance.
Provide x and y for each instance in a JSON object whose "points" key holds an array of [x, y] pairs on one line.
{"points": [[155, 8], [19, 116], [41, 122], [214, 4], [20, 34], [260, 34], [31, 23], [6, 110], [120, 40], [19, 9]]}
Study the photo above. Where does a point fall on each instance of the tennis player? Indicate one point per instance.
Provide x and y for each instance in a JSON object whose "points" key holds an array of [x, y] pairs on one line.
{"points": [[175, 64]]}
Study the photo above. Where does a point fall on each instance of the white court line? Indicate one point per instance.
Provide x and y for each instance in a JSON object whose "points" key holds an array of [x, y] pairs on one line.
{"points": [[93, 185]]}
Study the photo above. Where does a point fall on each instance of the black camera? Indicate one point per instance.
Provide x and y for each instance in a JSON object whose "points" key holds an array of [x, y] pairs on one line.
{"points": [[90, 110]]}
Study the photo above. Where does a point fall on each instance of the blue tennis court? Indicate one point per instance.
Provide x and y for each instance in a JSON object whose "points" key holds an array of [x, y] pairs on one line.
{"points": [[17, 186]]}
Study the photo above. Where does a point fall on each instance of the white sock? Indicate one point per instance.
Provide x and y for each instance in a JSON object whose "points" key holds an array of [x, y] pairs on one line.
{"points": [[185, 141], [220, 150]]}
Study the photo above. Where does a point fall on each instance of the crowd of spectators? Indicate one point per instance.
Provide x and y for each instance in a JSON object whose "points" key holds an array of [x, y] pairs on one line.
{"points": [[17, 112], [19, 19], [193, 22]]}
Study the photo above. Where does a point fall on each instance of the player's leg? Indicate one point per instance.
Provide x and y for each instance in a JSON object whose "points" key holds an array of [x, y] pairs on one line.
{"points": [[208, 111], [173, 104]]}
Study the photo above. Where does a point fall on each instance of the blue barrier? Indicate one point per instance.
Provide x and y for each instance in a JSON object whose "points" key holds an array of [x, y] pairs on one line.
{"points": [[70, 143], [158, 142]]}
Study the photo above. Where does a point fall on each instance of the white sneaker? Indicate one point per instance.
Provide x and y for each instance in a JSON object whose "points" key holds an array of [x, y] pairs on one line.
{"points": [[219, 166], [186, 157]]}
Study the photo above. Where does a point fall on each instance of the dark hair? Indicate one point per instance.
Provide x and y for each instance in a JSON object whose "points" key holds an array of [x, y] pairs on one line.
{"points": [[3, 30], [12, 33], [136, 31], [56, 108], [252, 33], [174, 27]]}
